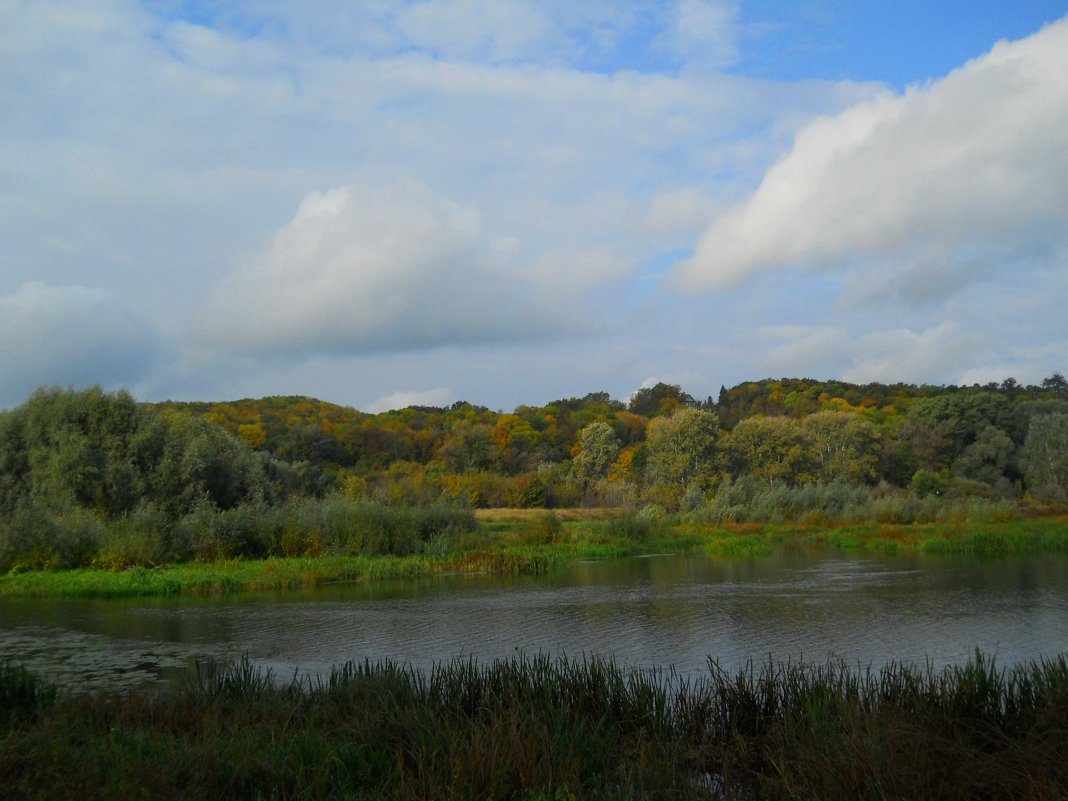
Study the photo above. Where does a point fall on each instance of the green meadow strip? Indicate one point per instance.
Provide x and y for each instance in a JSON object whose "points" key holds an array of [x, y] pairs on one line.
{"points": [[506, 556], [542, 546]]}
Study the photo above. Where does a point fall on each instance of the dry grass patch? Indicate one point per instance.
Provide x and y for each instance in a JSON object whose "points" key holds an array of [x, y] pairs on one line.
{"points": [[566, 515]]}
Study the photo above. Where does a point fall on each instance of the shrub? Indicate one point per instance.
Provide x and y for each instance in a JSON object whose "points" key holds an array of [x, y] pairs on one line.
{"points": [[544, 529]]}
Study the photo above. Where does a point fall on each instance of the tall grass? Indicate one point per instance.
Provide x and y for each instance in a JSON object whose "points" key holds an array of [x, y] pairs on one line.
{"points": [[23, 695], [537, 727], [747, 500], [39, 539]]}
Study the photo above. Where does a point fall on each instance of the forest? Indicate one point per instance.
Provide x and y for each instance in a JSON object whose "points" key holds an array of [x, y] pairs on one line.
{"points": [[95, 478]]}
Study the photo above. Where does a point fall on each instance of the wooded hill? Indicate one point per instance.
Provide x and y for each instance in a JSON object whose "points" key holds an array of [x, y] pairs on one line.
{"points": [[89, 478], [596, 449]]}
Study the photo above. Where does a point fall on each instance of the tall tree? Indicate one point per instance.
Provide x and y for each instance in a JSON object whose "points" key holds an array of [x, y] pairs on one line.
{"points": [[1044, 457], [770, 448], [844, 446], [599, 449], [681, 449]]}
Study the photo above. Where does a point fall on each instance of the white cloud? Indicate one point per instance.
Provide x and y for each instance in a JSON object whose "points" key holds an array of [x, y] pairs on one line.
{"points": [[402, 399], [706, 32], [496, 30], [680, 210], [927, 356], [362, 270], [70, 335], [942, 353], [969, 170]]}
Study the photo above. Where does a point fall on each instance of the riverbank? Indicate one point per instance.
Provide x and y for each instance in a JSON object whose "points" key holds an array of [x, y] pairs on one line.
{"points": [[531, 544], [531, 547], [539, 728]]}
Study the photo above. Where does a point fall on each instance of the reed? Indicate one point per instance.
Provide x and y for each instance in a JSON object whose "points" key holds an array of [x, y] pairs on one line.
{"points": [[23, 695], [539, 727]]}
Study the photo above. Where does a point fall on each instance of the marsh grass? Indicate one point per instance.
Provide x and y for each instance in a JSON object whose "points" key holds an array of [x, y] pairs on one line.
{"points": [[538, 727], [23, 695]]}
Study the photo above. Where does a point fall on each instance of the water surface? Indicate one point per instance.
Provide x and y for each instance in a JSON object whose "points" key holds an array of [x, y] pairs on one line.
{"points": [[666, 611]]}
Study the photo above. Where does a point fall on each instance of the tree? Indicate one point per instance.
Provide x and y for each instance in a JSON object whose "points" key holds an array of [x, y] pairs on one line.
{"points": [[660, 398], [600, 447], [990, 459], [957, 419], [1044, 457], [682, 448], [470, 446], [844, 446], [1055, 383], [770, 448]]}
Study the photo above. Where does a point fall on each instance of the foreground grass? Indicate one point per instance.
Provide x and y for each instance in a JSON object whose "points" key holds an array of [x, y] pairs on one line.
{"points": [[527, 544], [548, 729]]}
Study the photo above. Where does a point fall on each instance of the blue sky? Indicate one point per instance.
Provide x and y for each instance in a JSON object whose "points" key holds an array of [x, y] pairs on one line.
{"points": [[383, 202]]}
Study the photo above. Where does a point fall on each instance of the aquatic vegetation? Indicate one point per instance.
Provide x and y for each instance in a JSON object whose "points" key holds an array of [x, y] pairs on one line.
{"points": [[23, 695], [538, 727]]}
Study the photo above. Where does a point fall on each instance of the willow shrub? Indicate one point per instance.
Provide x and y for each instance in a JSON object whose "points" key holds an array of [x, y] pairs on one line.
{"points": [[309, 527]]}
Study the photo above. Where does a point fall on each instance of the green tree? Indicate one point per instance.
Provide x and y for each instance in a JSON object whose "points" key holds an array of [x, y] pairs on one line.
{"points": [[660, 398], [990, 459], [681, 449], [770, 448], [599, 450], [1044, 457], [470, 446], [844, 446]]}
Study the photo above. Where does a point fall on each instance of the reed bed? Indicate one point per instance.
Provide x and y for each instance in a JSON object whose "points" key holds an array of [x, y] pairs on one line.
{"points": [[545, 728]]}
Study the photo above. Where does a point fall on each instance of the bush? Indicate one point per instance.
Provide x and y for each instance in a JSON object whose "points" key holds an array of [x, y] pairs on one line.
{"points": [[127, 544], [37, 538], [544, 529]]}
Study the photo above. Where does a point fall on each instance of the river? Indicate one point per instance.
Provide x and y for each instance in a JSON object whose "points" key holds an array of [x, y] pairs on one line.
{"points": [[665, 611]]}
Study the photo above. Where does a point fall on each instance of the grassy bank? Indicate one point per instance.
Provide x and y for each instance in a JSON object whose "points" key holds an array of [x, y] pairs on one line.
{"points": [[1023, 537], [531, 544], [548, 729]]}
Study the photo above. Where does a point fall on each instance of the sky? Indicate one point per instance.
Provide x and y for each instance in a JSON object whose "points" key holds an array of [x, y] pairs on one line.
{"points": [[382, 203]]}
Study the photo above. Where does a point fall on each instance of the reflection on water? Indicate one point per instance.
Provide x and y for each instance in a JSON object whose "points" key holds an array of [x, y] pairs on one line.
{"points": [[664, 611]]}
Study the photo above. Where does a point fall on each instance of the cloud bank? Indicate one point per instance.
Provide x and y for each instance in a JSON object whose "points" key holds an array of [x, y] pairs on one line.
{"points": [[70, 335], [361, 270], [933, 187]]}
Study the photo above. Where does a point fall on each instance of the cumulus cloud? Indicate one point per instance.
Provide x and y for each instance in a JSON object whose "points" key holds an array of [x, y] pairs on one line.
{"points": [[402, 399], [967, 172], [70, 335], [362, 270]]}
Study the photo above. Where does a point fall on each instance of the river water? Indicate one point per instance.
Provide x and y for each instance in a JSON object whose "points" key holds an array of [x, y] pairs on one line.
{"points": [[665, 611]]}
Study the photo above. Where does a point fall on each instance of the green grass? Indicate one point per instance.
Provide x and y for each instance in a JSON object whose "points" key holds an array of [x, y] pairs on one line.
{"points": [[541, 543], [1000, 539], [506, 552], [541, 728]]}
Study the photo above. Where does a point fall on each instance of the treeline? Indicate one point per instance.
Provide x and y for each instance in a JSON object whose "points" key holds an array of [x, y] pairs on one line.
{"points": [[95, 478], [89, 477], [595, 450]]}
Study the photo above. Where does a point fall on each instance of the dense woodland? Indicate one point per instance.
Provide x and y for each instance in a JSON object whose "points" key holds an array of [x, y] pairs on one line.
{"points": [[82, 472]]}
